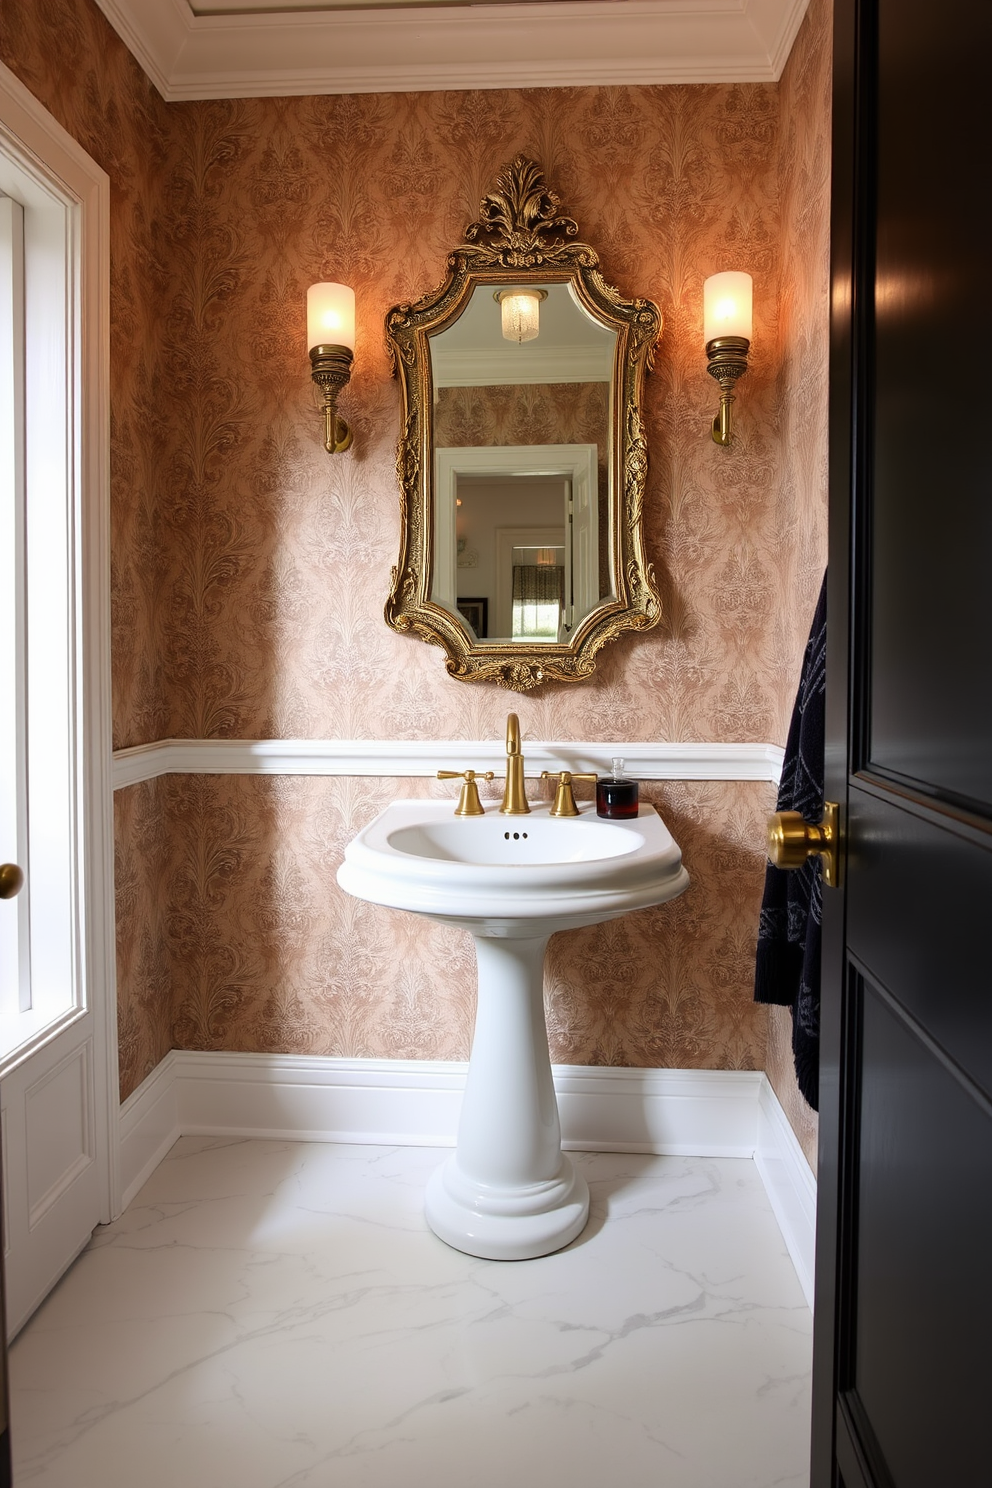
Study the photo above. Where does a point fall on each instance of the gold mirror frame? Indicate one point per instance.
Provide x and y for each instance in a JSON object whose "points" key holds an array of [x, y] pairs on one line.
{"points": [[521, 232]]}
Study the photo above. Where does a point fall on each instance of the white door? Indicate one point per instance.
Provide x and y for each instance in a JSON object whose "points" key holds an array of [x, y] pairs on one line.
{"points": [[582, 550], [55, 969]]}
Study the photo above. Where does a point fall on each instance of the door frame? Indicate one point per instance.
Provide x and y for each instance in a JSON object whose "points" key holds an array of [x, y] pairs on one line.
{"points": [[32, 137], [849, 325]]}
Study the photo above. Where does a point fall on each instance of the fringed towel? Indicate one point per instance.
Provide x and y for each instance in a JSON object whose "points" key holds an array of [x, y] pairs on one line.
{"points": [[788, 967]]}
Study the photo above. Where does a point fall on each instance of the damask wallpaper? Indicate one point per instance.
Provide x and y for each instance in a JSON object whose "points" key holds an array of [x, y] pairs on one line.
{"points": [[536, 413], [70, 58], [250, 568]]}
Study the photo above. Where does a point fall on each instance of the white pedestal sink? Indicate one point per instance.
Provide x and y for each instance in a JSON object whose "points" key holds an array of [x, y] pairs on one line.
{"points": [[508, 1192]]}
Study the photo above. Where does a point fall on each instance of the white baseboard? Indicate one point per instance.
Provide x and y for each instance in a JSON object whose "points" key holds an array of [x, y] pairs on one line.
{"points": [[789, 1183], [149, 1125], [413, 1103]]}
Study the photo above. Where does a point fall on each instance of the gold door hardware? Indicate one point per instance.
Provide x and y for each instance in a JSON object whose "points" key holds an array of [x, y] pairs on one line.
{"points": [[468, 799], [11, 880], [792, 839], [564, 799]]}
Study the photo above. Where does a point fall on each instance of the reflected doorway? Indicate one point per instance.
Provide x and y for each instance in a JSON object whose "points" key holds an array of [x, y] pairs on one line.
{"points": [[518, 540]]}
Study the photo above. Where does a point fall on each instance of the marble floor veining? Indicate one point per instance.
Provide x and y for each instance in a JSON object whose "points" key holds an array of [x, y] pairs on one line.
{"points": [[277, 1315]]}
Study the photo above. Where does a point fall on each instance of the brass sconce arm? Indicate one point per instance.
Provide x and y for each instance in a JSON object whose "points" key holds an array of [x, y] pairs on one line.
{"points": [[727, 356], [331, 371]]}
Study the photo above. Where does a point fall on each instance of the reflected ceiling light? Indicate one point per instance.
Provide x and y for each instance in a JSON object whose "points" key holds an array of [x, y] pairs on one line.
{"points": [[727, 333], [331, 340], [520, 311]]}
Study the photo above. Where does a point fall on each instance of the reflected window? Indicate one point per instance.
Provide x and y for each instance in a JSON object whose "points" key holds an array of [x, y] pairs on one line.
{"points": [[538, 593]]}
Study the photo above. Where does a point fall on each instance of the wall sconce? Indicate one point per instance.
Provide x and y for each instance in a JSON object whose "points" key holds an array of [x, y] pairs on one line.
{"points": [[727, 333], [520, 312], [331, 339]]}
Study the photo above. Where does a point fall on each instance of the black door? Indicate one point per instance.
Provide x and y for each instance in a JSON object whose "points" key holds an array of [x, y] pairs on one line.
{"points": [[902, 1374]]}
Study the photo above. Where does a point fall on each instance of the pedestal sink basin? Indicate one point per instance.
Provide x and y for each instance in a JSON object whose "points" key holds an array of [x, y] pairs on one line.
{"points": [[508, 1192]]}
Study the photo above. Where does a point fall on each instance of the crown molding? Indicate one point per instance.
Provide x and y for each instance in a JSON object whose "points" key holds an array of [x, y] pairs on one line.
{"points": [[281, 51], [552, 365]]}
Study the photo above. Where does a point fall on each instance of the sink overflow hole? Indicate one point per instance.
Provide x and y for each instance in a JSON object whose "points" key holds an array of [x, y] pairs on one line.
{"points": [[516, 836]]}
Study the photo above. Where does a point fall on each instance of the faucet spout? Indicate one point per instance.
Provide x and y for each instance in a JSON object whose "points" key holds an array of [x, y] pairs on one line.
{"points": [[514, 796]]}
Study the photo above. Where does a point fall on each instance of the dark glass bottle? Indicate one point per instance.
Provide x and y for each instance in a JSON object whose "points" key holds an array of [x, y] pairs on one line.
{"points": [[616, 796]]}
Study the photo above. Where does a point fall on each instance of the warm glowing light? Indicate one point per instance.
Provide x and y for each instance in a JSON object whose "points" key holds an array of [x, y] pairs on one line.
{"points": [[727, 306], [520, 310], [330, 316]]}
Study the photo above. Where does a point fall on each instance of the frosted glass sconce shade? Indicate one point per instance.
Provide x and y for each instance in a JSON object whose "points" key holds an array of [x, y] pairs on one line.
{"points": [[727, 306], [727, 317], [330, 316], [331, 342]]}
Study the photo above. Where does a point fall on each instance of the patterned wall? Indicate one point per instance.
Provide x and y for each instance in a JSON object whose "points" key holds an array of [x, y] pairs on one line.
{"points": [[536, 413], [67, 54], [250, 569], [280, 558]]}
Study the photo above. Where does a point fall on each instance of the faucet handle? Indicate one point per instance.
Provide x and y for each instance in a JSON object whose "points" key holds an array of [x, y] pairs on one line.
{"points": [[564, 798], [468, 799]]}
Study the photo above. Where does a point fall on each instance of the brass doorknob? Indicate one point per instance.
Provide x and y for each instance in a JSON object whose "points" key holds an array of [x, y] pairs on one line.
{"points": [[11, 880], [792, 839]]}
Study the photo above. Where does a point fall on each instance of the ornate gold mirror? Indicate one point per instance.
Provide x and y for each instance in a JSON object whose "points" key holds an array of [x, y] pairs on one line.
{"points": [[522, 458]]}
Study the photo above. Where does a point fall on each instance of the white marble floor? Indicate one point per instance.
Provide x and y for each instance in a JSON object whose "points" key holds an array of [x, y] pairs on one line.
{"points": [[277, 1315]]}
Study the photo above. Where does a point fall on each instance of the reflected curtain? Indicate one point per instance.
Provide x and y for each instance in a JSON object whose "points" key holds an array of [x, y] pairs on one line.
{"points": [[538, 593]]}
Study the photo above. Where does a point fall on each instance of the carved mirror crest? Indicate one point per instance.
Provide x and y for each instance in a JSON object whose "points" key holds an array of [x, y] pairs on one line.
{"points": [[522, 458]]}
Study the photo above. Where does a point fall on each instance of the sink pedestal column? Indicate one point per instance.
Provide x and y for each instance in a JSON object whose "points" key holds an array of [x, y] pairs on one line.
{"points": [[508, 1193]]}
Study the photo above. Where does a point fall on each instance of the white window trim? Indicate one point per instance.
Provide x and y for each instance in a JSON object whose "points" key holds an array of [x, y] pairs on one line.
{"points": [[40, 145]]}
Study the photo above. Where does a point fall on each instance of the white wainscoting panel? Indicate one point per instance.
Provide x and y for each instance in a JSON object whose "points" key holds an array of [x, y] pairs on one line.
{"points": [[703, 1113], [58, 1121], [405, 759]]}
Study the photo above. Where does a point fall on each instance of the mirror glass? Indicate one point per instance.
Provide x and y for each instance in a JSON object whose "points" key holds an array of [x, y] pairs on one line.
{"points": [[521, 477], [522, 458]]}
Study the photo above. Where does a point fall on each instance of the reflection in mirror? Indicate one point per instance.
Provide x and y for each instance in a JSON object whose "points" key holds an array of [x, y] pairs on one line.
{"points": [[547, 496], [519, 396], [522, 457], [511, 537]]}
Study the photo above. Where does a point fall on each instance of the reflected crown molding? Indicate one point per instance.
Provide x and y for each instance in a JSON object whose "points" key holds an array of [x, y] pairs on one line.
{"points": [[546, 364], [247, 49], [404, 760]]}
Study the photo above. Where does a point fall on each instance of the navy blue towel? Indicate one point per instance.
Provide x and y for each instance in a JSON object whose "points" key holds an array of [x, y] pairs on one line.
{"points": [[788, 966]]}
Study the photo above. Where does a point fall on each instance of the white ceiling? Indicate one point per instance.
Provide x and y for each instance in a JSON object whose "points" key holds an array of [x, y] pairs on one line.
{"points": [[572, 347], [272, 48]]}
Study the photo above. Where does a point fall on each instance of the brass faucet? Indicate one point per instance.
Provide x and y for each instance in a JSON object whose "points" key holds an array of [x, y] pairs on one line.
{"points": [[468, 799], [564, 795], [514, 796]]}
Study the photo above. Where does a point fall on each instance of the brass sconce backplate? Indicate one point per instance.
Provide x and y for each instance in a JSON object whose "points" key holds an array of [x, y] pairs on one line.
{"points": [[727, 361], [331, 371]]}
